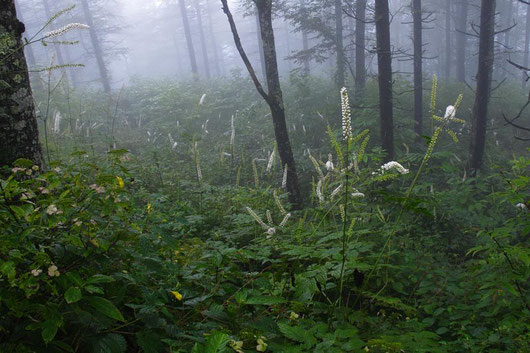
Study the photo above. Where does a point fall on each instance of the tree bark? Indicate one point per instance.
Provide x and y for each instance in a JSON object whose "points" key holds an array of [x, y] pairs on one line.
{"points": [[448, 45], [360, 47], [384, 63], [484, 75], [418, 66], [189, 41], [339, 43], [260, 47], [19, 134], [526, 45], [98, 52], [274, 97], [204, 48], [461, 41]]}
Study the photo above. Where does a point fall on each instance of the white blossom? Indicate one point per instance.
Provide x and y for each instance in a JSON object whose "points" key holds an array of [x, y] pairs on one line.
{"points": [[346, 114], [450, 112], [521, 206], [63, 30], [393, 165]]}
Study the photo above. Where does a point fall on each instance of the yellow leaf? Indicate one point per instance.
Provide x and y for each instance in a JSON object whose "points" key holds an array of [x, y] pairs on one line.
{"points": [[149, 207], [177, 295], [121, 184]]}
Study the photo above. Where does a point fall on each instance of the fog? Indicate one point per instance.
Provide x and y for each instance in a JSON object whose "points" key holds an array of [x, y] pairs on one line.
{"points": [[142, 38]]}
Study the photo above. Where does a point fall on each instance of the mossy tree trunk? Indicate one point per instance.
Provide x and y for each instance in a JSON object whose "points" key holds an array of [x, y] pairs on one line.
{"points": [[19, 134]]}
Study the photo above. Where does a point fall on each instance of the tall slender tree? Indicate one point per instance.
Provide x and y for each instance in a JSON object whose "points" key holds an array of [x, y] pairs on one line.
{"points": [[418, 66], [384, 63], [19, 134], [189, 40], [274, 96], [217, 57], [305, 42], [461, 40], [260, 47], [484, 77], [339, 43], [204, 48], [360, 47], [526, 44], [448, 37], [96, 44]]}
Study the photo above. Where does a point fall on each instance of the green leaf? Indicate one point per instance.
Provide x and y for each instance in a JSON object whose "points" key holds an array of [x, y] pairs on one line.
{"points": [[73, 295], [111, 343], [105, 307], [49, 330], [298, 334], [8, 269], [197, 348], [264, 300], [96, 279], [216, 343], [93, 289]]}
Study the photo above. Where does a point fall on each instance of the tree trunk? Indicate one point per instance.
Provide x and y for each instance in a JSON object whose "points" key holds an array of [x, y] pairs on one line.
{"points": [[216, 57], [204, 48], [360, 47], [19, 134], [461, 41], [274, 96], [384, 63], [526, 45], [448, 46], [276, 100], [260, 48], [305, 44], [418, 66], [189, 41], [97, 47], [508, 24], [485, 70], [339, 43]]}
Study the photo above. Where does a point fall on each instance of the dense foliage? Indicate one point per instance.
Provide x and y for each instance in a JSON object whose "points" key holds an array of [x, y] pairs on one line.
{"points": [[160, 225]]}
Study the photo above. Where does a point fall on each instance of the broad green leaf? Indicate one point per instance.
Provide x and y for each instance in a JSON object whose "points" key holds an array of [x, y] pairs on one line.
{"points": [[105, 307], [111, 343], [216, 343], [73, 295], [49, 330], [96, 279]]}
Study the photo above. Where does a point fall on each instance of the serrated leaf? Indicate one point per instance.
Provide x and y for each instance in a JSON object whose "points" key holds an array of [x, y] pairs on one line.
{"points": [[105, 307], [73, 295], [298, 334], [111, 343], [216, 343]]}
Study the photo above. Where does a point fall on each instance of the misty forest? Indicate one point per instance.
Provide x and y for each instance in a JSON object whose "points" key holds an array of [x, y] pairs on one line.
{"points": [[216, 176]]}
